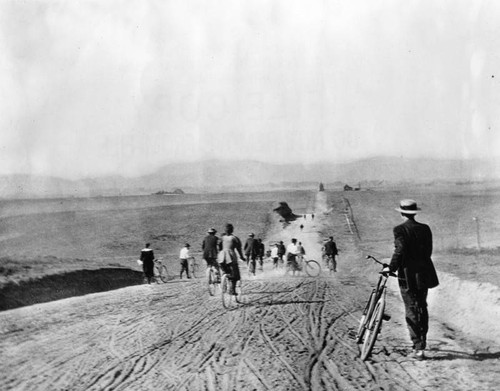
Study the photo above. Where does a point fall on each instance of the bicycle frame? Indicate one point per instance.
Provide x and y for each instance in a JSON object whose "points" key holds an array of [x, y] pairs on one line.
{"points": [[373, 314]]}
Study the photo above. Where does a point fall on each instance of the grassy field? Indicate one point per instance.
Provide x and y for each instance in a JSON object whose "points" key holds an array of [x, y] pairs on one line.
{"points": [[42, 237], [455, 215]]}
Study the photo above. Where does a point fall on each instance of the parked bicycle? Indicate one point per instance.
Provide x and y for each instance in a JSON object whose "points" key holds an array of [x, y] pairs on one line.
{"points": [[160, 271], [194, 267], [373, 314], [213, 280]]}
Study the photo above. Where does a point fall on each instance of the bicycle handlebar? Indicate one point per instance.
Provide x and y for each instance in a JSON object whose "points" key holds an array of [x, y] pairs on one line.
{"points": [[383, 264], [375, 259]]}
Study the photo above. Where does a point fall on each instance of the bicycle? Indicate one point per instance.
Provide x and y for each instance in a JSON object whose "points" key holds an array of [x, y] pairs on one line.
{"points": [[194, 267], [310, 266], [213, 280], [227, 298], [331, 264], [160, 271], [373, 314]]}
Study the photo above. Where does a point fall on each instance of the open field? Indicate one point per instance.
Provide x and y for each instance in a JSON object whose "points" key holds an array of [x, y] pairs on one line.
{"points": [[41, 237], [451, 215]]}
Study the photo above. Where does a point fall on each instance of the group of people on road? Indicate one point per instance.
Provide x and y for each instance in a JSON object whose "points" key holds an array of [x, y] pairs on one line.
{"points": [[411, 260], [254, 251]]}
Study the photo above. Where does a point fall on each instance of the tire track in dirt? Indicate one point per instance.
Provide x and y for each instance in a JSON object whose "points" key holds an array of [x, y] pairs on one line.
{"points": [[289, 333]]}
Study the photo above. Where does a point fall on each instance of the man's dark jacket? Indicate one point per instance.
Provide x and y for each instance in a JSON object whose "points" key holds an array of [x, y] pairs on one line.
{"points": [[251, 248], [412, 255], [331, 248], [209, 247]]}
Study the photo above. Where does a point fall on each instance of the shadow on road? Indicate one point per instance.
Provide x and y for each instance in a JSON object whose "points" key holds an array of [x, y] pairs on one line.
{"points": [[267, 299], [441, 355]]}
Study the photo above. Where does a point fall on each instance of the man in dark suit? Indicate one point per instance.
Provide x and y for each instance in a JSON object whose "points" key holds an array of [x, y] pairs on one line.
{"points": [[416, 274], [210, 248], [251, 249]]}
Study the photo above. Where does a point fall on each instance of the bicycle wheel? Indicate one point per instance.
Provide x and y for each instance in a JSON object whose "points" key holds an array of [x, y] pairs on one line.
{"points": [[193, 269], [312, 268], [156, 273], [239, 291], [331, 266], [373, 330], [163, 273], [225, 296], [370, 305], [211, 280]]}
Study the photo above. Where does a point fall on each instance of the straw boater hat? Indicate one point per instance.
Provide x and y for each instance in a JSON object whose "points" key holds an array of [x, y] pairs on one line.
{"points": [[212, 231], [408, 207]]}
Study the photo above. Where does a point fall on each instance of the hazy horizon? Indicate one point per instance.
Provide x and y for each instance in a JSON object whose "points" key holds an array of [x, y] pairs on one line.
{"points": [[124, 87]]}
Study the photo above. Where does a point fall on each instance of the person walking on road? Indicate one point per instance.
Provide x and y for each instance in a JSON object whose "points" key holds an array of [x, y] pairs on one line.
{"points": [[274, 256], [230, 246], [300, 255], [331, 251], [416, 273], [261, 253], [184, 257], [210, 248], [147, 258], [251, 250], [281, 252], [291, 256]]}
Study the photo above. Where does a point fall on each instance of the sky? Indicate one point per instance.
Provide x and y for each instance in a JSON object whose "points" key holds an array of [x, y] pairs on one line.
{"points": [[104, 87]]}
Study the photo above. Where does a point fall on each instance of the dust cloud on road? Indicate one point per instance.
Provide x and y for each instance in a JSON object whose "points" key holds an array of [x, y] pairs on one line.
{"points": [[288, 333]]}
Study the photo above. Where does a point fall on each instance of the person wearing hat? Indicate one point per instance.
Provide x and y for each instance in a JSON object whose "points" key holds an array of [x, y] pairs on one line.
{"points": [[148, 257], [251, 249], [291, 256], [230, 251], [184, 259], [281, 252], [416, 274], [210, 248], [330, 250]]}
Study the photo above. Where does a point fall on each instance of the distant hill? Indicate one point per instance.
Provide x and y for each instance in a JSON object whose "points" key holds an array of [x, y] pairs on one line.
{"points": [[216, 175]]}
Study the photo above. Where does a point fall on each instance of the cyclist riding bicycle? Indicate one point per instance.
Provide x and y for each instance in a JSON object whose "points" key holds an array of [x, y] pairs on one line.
{"points": [[230, 246], [291, 256], [210, 249], [330, 250]]}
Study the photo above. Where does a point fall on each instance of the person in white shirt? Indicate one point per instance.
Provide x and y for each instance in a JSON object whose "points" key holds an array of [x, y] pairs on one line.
{"points": [[274, 255], [291, 256], [184, 258]]}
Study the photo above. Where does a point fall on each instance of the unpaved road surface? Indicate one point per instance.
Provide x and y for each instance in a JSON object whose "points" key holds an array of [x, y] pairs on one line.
{"points": [[289, 333]]}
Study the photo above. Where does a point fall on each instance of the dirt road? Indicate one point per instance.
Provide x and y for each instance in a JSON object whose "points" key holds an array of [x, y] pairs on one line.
{"points": [[290, 333]]}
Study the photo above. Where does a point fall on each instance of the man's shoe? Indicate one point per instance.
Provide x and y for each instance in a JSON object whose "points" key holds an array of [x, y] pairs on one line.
{"points": [[419, 354]]}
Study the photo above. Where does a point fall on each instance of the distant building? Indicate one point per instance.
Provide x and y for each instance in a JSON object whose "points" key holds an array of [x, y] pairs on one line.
{"points": [[348, 188], [175, 192], [321, 186]]}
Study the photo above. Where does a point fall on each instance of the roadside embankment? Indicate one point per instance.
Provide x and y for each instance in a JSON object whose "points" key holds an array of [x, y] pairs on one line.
{"points": [[473, 307], [60, 286]]}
